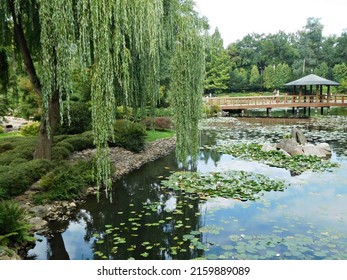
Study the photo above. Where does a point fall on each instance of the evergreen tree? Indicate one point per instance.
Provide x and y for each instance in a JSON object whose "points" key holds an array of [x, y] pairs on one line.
{"points": [[217, 65], [254, 78]]}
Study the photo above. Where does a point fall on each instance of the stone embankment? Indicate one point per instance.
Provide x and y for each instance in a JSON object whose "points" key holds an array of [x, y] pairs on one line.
{"points": [[124, 162]]}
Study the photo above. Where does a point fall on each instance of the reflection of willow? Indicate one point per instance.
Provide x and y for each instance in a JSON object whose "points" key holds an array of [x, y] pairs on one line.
{"points": [[56, 249], [134, 222], [206, 154]]}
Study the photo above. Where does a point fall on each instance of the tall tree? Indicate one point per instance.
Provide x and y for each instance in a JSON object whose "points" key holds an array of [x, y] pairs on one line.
{"points": [[255, 79], [217, 65], [310, 44], [121, 41]]}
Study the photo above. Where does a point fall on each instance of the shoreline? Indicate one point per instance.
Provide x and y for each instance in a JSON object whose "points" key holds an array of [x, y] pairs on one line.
{"points": [[124, 162]]}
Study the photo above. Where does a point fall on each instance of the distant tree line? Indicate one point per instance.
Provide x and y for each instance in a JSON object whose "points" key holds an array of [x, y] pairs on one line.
{"points": [[260, 62]]}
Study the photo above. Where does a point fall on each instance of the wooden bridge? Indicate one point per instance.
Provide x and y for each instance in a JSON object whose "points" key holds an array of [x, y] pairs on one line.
{"points": [[280, 101]]}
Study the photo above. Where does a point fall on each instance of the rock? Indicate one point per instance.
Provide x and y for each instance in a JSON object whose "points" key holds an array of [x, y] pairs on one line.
{"points": [[297, 151], [289, 145], [321, 151], [285, 153], [298, 136], [325, 147], [40, 211], [8, 254], [268, 147], [72, 205], [37, 223]]}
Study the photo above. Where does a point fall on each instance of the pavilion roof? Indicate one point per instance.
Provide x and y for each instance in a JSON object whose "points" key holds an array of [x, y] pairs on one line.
{"points": [[312, 79]]}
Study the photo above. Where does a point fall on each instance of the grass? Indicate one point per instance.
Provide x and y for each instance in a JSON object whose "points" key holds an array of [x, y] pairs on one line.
{"points": [[153, 135], [10, 134], [241, 94]]}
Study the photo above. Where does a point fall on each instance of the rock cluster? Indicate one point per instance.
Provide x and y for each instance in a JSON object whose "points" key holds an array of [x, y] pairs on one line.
{"points": [[298, 145], [124, 162]]}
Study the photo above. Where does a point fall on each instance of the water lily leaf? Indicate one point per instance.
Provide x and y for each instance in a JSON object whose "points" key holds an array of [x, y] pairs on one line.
{"points": [[188, 236], [145, 254]]}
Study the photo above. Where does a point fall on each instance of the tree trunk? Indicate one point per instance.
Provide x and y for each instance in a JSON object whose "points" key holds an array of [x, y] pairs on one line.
{"points": [[44, 145], [23, 47]]}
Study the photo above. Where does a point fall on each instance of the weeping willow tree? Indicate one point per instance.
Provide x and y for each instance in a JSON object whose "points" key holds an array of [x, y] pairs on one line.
{"points": [[122, 42]]}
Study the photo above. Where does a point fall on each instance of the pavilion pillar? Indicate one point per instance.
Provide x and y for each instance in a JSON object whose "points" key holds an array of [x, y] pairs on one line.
{"points": [[268, 112], [328, 94], [321, 94]]}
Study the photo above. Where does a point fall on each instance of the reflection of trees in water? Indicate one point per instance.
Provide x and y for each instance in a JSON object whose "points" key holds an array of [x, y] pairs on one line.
{"points": [[127, 212], [56, 249], [207, 154]]}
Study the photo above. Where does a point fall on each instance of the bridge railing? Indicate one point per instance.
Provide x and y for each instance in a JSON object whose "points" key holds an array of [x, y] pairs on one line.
{"points": [[278, 99]]}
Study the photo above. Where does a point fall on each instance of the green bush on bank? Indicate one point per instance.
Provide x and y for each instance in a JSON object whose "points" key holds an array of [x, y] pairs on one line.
{"points": [[18, 170], [66, 182], [15, 179], [31, 129], [14, 227], [129, 135], [80, 119]]}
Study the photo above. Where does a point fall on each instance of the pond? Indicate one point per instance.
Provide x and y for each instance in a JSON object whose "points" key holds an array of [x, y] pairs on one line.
{"points": [[304, 217]]}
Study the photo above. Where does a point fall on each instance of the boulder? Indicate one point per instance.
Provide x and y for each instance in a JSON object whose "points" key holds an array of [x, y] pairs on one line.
{"points": [[321, 151], [325, 147], [37, 223], [268, 147], [289, 145], [297, 151], [298, 136], [285, 153]]}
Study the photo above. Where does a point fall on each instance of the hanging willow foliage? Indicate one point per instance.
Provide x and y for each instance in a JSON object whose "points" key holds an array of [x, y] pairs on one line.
{"points": [[57, 53], [187, 75], [123, 42], [123, 38]]}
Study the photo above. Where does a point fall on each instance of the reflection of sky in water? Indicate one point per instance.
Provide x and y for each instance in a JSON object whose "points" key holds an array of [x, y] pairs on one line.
{"points": [[312, 202], [76, 249]]}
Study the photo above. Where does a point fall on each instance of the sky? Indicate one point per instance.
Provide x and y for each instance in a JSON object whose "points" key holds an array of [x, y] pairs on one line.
{"points": [[236, 19]]}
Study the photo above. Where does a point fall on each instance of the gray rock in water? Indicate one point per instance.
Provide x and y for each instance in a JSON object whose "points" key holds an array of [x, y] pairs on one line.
{"points": [[297, 151], [289, 145], [298, 136], [268, 147], [325, 147], [37, 223], [320, 150]]}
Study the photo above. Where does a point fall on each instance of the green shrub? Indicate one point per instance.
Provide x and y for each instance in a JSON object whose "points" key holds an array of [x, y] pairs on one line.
{"points": [[124, 112], [164, 112], [17, 161], [60, 153], [18, 178], [80, 119], [2, 129], [66, 182], [3, 193], [80, 142], [65, 145], [14, 227], [129, 135], [6, 147], [31, 129], [24, 152]]}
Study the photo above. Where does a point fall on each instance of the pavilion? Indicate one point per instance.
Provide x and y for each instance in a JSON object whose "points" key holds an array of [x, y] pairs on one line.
{"points": [[312, 80]]}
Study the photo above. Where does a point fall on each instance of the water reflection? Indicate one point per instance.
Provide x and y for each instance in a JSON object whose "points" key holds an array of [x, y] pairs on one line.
{"points": [[145, 221]]}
